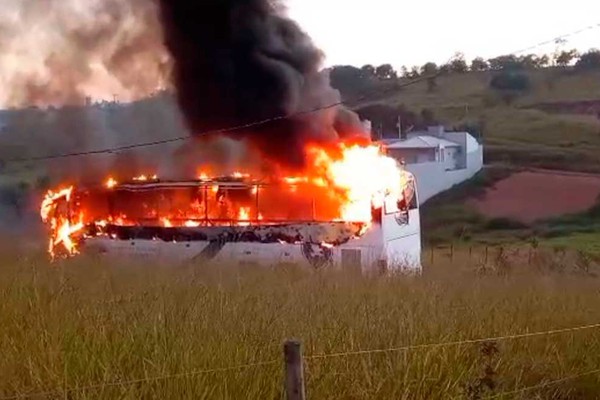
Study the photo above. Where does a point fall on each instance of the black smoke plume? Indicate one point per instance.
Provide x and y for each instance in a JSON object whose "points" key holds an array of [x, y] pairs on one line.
{"points": [[240, 61]]}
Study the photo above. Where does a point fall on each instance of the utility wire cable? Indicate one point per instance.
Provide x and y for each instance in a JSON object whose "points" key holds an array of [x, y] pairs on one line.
{"points": [[210, 132], [265, 121], [558, 38]]}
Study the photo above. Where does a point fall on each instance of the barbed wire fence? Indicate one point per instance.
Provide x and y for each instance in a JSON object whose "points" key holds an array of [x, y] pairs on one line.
{"points": [[503, 257], [294, 363]]}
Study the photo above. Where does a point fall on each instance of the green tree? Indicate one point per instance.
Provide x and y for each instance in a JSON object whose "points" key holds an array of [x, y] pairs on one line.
{"points": [[589, 60], [385, 72], [458, 64], [348, 79], [445, 68], [368, 71], [565, 58], [510, 84], [429, 68], [530, 61], [404, 72], [543, 61], [504, 62], [414, 72], [430, 71], [479, 64]]}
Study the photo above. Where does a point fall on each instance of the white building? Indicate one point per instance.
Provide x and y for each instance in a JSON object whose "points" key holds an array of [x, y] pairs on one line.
{"points": [[438, 159]]}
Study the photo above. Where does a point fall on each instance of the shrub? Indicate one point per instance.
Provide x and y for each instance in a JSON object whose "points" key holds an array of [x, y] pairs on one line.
{"points": [[510, 81], [504, 224], [589, 60]]}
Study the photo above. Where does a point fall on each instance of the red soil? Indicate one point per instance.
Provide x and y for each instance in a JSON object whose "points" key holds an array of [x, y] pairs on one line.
{"points": [[531, 196]]}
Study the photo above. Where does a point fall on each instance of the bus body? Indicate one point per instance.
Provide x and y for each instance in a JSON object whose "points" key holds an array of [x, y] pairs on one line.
{"points": [[392, 241]]}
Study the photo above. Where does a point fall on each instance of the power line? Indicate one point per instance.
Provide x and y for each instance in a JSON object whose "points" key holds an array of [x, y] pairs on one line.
{"points": [[264, 121], [210, 132], [558, 38]]}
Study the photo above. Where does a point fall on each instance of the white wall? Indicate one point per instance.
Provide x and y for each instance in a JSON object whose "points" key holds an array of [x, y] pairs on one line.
{"points": [[462, 139], [432, 178]]}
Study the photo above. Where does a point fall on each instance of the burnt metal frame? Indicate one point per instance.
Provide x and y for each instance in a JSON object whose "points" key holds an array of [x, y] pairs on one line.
{"points": [[226, 183]]}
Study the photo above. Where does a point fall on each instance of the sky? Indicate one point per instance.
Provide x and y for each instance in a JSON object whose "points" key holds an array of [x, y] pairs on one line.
{"points": [[412, 33]]}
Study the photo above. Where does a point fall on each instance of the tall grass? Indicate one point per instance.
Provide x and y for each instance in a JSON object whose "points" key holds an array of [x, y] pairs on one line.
{"points": [[85, 322]]}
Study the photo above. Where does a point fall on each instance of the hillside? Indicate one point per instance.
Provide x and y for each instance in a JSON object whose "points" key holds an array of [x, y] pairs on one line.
{"points": [[543, 127], [553, 125], [521, 133]]}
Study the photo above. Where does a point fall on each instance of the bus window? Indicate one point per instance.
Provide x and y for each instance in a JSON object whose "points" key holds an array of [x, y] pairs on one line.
{"points": [[409, 194]]}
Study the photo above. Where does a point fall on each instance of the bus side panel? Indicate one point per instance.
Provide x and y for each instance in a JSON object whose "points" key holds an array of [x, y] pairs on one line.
{"points": [[402, 239]]}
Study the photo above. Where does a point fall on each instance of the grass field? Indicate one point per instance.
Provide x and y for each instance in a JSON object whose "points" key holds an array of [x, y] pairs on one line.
{"points": [[585, 242], [69, 326], [91, 330]]}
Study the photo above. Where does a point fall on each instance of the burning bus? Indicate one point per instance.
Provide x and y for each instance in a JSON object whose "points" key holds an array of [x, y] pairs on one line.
{"points": [[356, 207], [311, 187]]}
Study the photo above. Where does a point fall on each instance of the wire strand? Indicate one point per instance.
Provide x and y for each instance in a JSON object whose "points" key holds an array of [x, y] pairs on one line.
{"points": [[136, 381], [544, 384], [454, 343], [308, 358]]}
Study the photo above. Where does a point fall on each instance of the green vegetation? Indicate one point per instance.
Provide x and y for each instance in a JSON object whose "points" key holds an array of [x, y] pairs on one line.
{"points": [[448, 218], [525, 112], [85, 323], [578, 231], [503, 101], [518, 133], [587, 243]]}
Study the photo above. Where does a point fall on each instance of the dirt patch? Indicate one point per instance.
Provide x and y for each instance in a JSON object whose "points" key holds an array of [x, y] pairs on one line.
{"points": [[534, 195]]}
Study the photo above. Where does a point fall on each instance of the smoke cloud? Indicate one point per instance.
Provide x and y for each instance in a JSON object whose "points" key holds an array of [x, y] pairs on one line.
{"points": [[57, 52], [232, 62], [241, 61]]}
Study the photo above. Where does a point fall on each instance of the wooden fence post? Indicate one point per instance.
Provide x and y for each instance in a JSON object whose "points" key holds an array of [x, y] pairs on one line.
{"points": [[294, 370]]}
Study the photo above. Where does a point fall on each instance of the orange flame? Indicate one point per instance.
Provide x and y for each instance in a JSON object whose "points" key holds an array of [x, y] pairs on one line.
{"points": [[244, 216], [145, 178], [349, 179], [363, 174], [62, 229], [111, 183], [238, 175]]}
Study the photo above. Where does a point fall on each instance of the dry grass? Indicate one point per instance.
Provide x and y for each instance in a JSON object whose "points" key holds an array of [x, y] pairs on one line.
{"points": [[86, 322]]}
